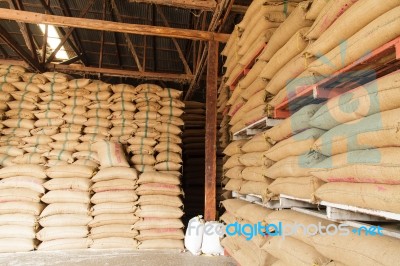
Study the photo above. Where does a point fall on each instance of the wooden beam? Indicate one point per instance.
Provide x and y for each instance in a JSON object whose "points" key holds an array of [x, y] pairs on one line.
{"points": [[102, 34], [208, 5], [131, 47], [95, 24], [211, 133], [14, 62], [153, 23], [77, 68], [239, 9], [71, 60], [69, 32], [9, 40], [3, 51]]}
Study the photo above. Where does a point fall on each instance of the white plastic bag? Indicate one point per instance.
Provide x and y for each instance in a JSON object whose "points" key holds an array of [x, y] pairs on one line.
{"points": [[194, 235], [211, 239]]}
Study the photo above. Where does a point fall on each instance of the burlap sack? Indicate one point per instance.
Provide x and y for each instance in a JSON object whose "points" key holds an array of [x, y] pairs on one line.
{"points": [[294, 166], [17, 132], [112, 230], [65, 208], [160, 200], [294, 252], [162, 244], [377, 96], [292, 125], [158, 189], [64, 196], [315, 9], [28, 182], [235, 172], [113, 208], [168, 156], [78, 100], [29, 158], [122, 196], [299, 187], [97, 85], [66, 244], [70, 171], [147, 97], [168, 166], [99, 105], [34, 78], [81, 184], [49, 97], [110, 154], [76, 92], [255, 159], [296, 145], [362, 166], [75, 119], [21, 207], [63, 232], [53, 105], [159, 211], [123, 88], [253, 187], [256, 144], [74, 110]]}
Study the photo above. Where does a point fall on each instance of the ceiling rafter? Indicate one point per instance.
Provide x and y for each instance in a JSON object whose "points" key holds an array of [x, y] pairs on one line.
{"points": [[208, 5], [131, 47], [69, 32], [96, 24], [178, 48]]}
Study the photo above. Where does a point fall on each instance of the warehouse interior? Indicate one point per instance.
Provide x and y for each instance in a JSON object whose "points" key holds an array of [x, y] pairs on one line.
{"points": [[145, 131]]}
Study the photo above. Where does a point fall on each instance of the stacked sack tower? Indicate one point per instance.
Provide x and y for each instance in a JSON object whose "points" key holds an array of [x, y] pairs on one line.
{"points": [[86, 164], [339, 151]]}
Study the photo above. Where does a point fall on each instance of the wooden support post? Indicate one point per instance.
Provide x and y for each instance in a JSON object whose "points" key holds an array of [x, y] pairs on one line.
{"points": [[211, 133], [102, 35]]}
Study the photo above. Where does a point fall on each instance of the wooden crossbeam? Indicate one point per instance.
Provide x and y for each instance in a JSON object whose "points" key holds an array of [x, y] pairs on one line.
{"points": [[77, 68], [188, 4], [95, 24]]}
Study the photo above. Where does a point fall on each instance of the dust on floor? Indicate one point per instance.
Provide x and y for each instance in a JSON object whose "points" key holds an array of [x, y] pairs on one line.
{"points": [[111, 258]]}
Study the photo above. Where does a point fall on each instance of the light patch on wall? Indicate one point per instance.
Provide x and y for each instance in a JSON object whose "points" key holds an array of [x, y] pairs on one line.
{"points": [[53, 40]]}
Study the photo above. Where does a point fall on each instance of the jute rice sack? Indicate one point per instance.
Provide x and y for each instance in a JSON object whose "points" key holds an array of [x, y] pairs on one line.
{"points": [[327, 16], [32, 170], [167, 137], [37, 140], [20, 123], [256, 144], [122, 88], [378, 32], [168, 128], [249, 253], [8, 245], [168, 233], [362, 166], [62, 232], [235, 172], [75, 119], [370, 196], [257, 85], [232, 184], [21, 207], [62, 196], [340, 29], [354, 249], [121, 115], [19, 219], [10, 78], [66, 244], [170, 93], [53, 105], [121, 97], [168, 166], [107, 219], [294, 166], [140, 149], [86, 162], [123, 106], [99, 105], [20, 113], [158, 189], [115, 173], [232, 162], [293, 251], [113, 208], [172, 102], [22, 105], [48, 114], [254, 173], [77, 92], [6, 160], [157, 177], [299, 187], [56, 77], [65, 208], [110, 154], [49, 97], [148, 106], [292, 125], [123, 241], [34, 78], [294, 46], [74, 183], [114, 196], [159, 211], [168, 147], [97, 130], [290, 218], [166, 200], [172, 120], [72, 171], [315, 9], [377, 96], [167, 156], [97, 86], [28, 182], [296, 145], [93, 138], [17, 132], [30, 158], [255, 159], [65, 220], [75, 110], [232, 205], [100, 113], [76, 101], [46, 122], [122, 131], [375, 131], [115, 184], [161, 244], [154, 223], [253, 187], [290, 26], [99, 96]]}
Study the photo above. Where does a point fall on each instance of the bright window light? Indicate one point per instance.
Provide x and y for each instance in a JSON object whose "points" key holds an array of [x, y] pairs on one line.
{"points": [[53, 40]]}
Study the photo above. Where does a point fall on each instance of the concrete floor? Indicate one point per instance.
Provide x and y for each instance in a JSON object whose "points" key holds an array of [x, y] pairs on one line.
{"points": [[111, 258]]}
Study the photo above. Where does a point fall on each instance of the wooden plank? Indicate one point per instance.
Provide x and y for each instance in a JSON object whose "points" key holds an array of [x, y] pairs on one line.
{"points": [[76, 68], [211, 133], [95, 24], [188, 4]]}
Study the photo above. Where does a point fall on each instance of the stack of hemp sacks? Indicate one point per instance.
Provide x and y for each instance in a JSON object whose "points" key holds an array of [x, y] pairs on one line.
{"points": [[159, 190], [324, 54], [65, 219], [114, 199], [291, 155], [277, 23], [362, 146], [247, 166], [21, 187]]}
